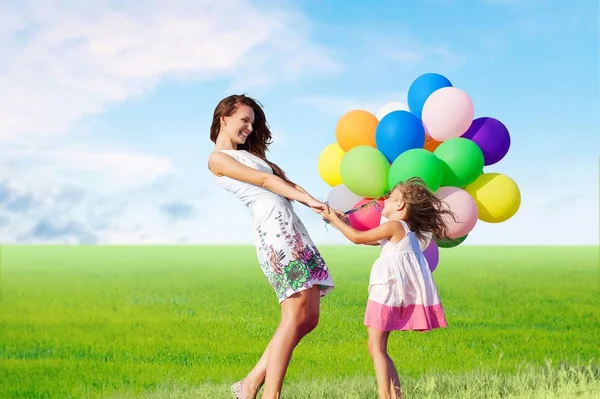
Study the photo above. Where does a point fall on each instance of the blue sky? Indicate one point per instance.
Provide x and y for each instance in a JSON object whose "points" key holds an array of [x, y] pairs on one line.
{"points": [[105, 110]]}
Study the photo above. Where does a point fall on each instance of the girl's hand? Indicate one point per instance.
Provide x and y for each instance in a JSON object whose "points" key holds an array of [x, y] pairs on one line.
{"points": [[343, 217], [330, 214]]}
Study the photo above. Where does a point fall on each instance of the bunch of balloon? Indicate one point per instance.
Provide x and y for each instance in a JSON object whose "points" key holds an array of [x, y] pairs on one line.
{"points": [[435, 137], [355, 169]]}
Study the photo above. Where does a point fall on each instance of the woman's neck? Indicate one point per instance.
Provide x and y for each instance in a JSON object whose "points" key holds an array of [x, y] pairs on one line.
{"points": [[223, 143]]}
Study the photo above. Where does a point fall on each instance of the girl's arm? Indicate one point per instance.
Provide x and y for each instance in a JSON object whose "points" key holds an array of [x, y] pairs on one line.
{"points": [[344, 218], [386, 230], [221, 164], [374, 243]]}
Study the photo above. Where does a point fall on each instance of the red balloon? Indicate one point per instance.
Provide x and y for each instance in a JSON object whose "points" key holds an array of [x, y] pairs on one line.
{"points": [[368, 217]]}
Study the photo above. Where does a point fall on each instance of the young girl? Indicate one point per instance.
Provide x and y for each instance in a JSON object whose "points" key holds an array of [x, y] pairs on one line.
{"points": [[402, 293]]}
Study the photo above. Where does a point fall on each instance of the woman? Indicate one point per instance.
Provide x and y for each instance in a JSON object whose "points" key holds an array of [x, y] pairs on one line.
{"points": [[287, 255]]}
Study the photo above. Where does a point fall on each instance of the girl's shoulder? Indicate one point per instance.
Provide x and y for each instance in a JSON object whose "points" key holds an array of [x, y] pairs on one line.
{"points": [[400, 229]]}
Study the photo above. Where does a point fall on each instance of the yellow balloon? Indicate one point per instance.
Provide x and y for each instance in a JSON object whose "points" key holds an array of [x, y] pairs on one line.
{"points": [[329, 164], [497, 197]]}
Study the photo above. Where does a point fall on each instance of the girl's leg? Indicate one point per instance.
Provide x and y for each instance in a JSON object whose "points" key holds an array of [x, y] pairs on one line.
{"points": [[384, 367], [395, 379], [300, 315], [393, 372]]}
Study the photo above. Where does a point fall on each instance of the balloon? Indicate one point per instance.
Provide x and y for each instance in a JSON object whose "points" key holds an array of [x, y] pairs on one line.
{"points": [[441, 243], [464, 208], [341, 198], [462, 161], [431, 144], [497, 197], [390, 107], [491, 136], [397, 132], [367, 218], [421, 88], [432, 254], [416, 163], [356, 128], [365, 171], [329, 164], [447, 113]]}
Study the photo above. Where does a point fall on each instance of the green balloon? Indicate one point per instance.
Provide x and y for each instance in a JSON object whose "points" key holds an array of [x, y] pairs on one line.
{"points": [[364, 171], [450, 243], [462, 161], [417, 162]]}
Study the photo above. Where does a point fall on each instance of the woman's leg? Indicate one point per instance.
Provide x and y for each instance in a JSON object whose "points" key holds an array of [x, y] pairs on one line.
{"points": [[299, 316], [256, 377], [384, 367], [306, 306]]}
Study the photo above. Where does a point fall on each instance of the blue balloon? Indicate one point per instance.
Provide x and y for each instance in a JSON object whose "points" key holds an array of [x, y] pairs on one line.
{"points": [[421, 89], [397, 132]]}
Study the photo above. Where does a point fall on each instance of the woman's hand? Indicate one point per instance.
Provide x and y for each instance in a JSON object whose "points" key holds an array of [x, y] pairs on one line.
{"points": [[316, 205]]}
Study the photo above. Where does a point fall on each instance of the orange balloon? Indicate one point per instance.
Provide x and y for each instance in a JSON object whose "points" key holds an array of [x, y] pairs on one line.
{"points": [[356, 128], [431, 144]]}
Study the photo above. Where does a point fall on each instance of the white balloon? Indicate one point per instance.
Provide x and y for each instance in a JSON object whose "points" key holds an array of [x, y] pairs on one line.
{"points": [[341, 198], [390, 107]]}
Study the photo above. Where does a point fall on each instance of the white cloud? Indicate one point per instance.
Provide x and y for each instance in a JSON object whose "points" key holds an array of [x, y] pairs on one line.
{"points": [[120, 198], [410, 51], [339, 105], [66, 60], [103, 170], [119, 168], [32, 212], [567, 215]]}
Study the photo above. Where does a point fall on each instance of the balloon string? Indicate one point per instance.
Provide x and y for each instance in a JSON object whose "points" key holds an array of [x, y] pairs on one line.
{"points": [[374, 203]]}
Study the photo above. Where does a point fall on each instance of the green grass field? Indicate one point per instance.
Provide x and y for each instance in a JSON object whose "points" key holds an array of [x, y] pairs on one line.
{"points": [[185, 322]]}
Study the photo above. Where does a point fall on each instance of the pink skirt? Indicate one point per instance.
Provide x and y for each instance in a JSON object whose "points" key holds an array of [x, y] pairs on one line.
{"points": [[403, 296], [407, 317]]}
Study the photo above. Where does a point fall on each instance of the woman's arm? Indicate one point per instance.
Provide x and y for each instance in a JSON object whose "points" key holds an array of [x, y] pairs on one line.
{"points": [[221, 164], [300, 188], [297, 187]]}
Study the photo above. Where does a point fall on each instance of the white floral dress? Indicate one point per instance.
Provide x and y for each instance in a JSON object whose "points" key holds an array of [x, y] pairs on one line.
{"points": [[287, 255]]}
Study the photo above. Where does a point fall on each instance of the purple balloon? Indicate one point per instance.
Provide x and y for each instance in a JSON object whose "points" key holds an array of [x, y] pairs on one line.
{"points": [[432, 254], [491, 136]]}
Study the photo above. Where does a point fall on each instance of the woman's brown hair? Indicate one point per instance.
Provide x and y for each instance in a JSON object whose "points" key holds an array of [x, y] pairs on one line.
{"points": [[258, 142]]}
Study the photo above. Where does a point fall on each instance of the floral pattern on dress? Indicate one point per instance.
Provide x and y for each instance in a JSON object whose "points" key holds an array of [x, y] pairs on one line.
{"points": [[290, 273]]}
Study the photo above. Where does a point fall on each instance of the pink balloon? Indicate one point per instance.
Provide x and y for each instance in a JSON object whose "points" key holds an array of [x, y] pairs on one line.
{"points": [[367, 218], [432, 254], [464, 207], [447, 113]]}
